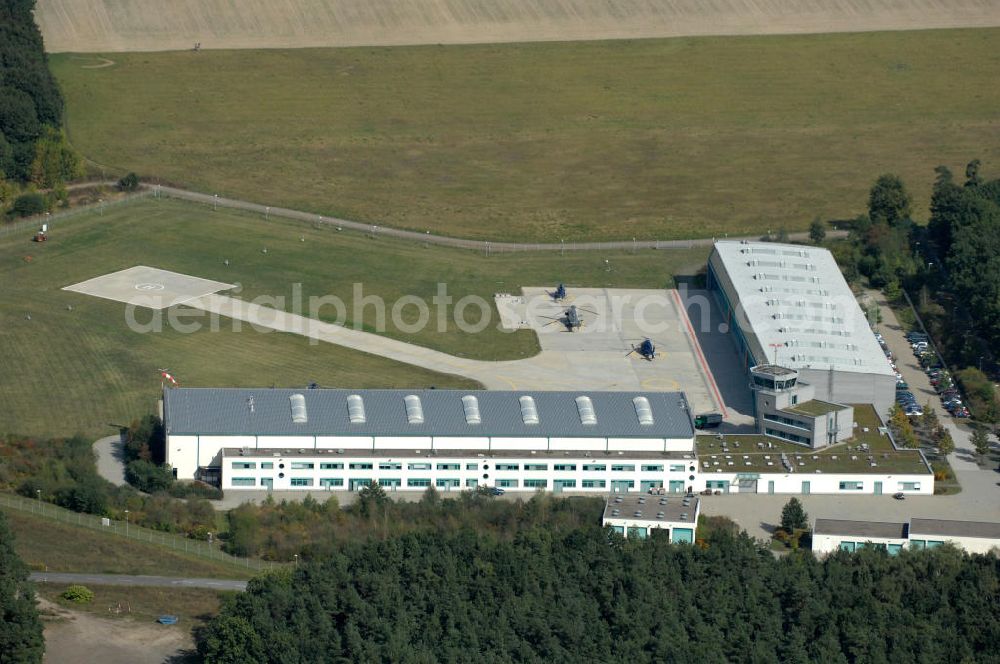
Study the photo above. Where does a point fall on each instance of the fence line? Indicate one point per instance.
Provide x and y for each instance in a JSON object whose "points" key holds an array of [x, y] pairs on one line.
{"points": [[130, 531], [55, 219], [488, 247]]}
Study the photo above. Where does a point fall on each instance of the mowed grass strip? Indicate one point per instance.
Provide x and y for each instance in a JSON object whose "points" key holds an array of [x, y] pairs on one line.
{"points": [[63, 547], [76, 366], [653, 139]]}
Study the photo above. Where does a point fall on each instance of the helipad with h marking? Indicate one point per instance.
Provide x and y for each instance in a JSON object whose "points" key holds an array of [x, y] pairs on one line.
{"points": [[149, 287]]}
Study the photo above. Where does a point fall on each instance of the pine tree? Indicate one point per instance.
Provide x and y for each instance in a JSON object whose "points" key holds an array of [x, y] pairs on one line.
{"points": [[793, 516], [21, 637]]}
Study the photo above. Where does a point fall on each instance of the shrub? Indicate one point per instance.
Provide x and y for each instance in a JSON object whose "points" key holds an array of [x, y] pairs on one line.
{"points": [[195, 489], [27, 205], [199, 533], [148, 476], [981, 394], [88, 496], [129, 183], [78, 594]]}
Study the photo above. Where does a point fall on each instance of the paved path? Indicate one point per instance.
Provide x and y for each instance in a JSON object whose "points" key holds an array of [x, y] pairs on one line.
{"points": [[110, 464], [137, 580], [486, 246], [444, 240]]}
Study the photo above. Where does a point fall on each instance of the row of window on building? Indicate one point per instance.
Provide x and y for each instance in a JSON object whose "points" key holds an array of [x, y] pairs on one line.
{"points": [[395, 465], [416, 482], [893, 549], [847, 485], [788, 421], [791, 437], [676, 535]]}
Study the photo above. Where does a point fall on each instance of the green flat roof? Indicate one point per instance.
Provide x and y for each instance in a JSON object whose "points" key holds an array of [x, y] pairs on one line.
{"points": [[840, 458], [814, 408]]}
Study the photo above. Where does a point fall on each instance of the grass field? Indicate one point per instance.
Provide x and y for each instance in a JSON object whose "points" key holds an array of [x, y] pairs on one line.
{"points": [[687, 137], [62, 547], [82, 369]]}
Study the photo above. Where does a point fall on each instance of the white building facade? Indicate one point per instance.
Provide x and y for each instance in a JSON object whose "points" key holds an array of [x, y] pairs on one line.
{"points": [[341, 440], [972, 536], [831, 535], [641, 516], [409, 440]]}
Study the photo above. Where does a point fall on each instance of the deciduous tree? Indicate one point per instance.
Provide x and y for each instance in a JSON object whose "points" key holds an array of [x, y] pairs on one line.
{"points": [[817, 231], [888, 201], [980, 440]]}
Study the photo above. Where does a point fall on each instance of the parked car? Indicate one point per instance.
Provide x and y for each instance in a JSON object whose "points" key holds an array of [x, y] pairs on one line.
{"points": [[960, 412], [496, 491], [899, 495], [902, 385]]}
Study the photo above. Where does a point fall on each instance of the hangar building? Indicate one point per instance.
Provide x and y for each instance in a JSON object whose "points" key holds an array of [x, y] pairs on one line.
{"points": [[275, 439], [789, 305]]}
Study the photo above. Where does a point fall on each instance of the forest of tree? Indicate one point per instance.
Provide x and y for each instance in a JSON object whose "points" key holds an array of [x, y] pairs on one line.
{"points": [[965, 230], [951, 266], [587, 595], [21, 638], [33, 147], [311, 529]]}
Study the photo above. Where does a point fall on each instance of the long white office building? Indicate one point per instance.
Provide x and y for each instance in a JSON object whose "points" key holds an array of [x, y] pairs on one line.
{"points": [[325, 439]]}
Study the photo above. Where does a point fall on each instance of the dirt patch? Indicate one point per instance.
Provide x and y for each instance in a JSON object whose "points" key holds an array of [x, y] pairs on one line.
{"points": [[73, 636], [152, 25]]}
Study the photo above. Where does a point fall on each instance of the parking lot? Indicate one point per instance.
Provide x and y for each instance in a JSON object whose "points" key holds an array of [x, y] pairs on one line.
{"points": [[963, 459]]}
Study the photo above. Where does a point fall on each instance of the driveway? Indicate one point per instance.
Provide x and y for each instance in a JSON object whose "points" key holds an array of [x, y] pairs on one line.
{"points": [[138, 580], [110, 459], [963, 458]]}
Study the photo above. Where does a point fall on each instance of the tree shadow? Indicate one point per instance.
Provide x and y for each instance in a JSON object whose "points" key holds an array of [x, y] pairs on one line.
{"points": [[768, 528], [184, 657]]}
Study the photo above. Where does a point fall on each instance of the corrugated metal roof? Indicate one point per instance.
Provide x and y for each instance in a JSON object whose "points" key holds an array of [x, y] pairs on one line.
{"points": [[796, 296], [221, 411]]}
